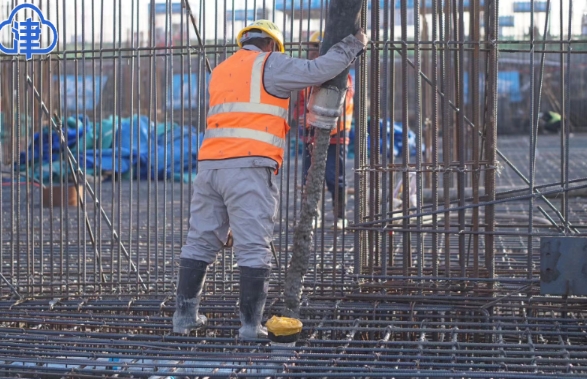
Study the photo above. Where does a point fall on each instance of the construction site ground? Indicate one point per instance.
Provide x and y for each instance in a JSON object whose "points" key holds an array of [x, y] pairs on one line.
{"points": [[385, 327]]}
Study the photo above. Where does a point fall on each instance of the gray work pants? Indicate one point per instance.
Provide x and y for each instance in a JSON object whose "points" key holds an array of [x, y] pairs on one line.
{"points": [[242, 199]]}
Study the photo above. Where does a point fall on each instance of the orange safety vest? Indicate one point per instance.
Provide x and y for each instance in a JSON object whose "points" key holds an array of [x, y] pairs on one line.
{"points": [[244, 120], [345, 120]]}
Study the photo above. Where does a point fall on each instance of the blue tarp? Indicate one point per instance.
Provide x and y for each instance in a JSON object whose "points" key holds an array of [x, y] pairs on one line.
{"points": [[46, 144], [125, 146], [397, 138], [173, 161]]}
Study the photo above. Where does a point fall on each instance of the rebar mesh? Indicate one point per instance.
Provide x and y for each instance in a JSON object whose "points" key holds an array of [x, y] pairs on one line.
{"points": [[437, 277], [353, 337]]}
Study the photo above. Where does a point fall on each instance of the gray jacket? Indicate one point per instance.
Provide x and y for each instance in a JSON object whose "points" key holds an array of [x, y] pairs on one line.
{"points": [[283, 75]]}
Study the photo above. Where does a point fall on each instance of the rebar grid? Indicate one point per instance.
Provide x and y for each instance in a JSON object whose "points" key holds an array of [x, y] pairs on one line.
{"points": [[351, 338], [435, 83], [444, 284]]}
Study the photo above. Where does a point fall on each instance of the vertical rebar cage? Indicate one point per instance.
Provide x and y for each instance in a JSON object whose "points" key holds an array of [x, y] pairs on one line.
{"points": [[453, 179]]}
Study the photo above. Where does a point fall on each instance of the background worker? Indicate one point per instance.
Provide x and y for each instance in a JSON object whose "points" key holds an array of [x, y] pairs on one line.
{"points": [[242, 151], [339, 139], [551, 121]]}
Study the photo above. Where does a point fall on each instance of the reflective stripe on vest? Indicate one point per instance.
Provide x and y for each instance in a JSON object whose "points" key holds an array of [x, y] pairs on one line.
{"points": [[256, 78], [271, 110], [246, 133]]}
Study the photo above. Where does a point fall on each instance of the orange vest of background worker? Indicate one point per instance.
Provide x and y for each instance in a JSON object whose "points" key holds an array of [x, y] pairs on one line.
{"points": [[344, 122], [335, 159], [244, 120]]}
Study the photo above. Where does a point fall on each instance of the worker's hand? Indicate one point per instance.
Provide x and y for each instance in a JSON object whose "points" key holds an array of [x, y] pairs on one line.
{"points": [[362, 37]]}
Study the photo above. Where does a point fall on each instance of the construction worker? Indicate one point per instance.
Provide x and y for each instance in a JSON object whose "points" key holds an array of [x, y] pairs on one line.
{"points": [[339, 140], [242, 151], [551, 121]]}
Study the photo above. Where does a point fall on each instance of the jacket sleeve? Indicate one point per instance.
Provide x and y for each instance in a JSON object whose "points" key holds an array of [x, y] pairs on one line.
{"points": [[284, 74]]}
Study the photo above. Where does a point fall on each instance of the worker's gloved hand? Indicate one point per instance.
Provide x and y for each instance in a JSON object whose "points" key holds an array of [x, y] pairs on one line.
{"points": [[362, 37]]}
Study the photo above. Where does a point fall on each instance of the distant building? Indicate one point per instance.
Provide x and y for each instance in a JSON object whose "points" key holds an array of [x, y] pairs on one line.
{"points": [[135, 23]]}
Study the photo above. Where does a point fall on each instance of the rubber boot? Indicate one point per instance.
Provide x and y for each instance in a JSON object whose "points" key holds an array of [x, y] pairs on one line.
{"points": [[192, 275], [254, 283], [317, 221], [339, 209]]}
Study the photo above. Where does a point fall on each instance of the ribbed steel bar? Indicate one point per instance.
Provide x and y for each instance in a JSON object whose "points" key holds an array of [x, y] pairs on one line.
{"points": [[375, 134], [490, 129], [566, 85], [98, 279], [386, 113], [445, 67], [433, 138], [419, 136], [361, 257], [405, 155], [140, 341]]}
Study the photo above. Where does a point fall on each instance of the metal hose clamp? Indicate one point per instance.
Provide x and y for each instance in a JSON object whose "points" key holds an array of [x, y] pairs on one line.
{"points": [[325, 106]]}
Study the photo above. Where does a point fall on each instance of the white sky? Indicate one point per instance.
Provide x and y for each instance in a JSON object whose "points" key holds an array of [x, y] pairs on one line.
{"points": [[87, 14]]}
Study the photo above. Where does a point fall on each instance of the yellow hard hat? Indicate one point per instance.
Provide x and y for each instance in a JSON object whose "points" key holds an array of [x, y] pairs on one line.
{"points": [[317, 37], [270, 29]]}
